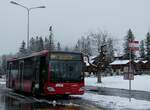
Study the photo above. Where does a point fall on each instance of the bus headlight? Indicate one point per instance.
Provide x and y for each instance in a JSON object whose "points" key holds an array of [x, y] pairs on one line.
{"points": [[81, 89], [50, 89]]}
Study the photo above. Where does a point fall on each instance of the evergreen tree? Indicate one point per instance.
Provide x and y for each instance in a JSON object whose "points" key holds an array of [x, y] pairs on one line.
{"points": [[51, 41], [66, 49], [41, 44], [4, 63], [142, 49], [76, 48], [58, 46], [22, 50], [32, 45], [128, 38], [148, 46], [46, 43]]}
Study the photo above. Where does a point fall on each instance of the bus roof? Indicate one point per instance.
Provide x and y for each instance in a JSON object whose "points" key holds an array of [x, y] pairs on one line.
{"points": [[43, 52]]}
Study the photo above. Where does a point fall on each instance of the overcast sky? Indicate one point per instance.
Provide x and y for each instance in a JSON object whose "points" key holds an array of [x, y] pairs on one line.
{"points": [[71, 19]]}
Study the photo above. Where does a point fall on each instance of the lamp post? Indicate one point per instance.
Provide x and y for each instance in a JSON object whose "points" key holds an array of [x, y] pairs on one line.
{"points": [[28, 11]]}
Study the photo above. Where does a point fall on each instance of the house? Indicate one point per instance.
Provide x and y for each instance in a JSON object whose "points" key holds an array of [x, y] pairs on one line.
{"points": [[121, 66]]}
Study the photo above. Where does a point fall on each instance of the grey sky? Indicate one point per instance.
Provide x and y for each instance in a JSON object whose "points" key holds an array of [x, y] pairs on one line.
{"points": [[71, 19]]}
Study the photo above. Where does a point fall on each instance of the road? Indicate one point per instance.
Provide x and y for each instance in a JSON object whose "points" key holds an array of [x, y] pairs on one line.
{"points": [[10, 100]]}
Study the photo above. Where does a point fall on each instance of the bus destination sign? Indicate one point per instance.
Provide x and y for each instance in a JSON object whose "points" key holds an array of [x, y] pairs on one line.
{"points": [[61, 56]]}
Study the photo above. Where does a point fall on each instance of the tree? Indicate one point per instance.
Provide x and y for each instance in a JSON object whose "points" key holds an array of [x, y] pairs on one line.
{"points": [[41, 44], [66, 48], [110, 50], [46, 43], [22, 50], [51, 43], [88, 46], [148, 46], [4, 63], [142, 49], [98, 39], [58, 46], [84, 45], [32, 46], [128, 38]]}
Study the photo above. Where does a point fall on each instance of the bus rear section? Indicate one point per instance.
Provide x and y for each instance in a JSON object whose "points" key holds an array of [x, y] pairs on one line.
{"points": [[65, 74]]}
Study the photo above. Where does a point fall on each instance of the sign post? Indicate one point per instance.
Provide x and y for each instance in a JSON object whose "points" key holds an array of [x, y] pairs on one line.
{"points": [[133, 46]]}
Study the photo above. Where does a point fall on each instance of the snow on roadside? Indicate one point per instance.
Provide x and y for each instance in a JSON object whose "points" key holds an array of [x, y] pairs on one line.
{"points": [[2, 81], [140, 82], [116, 103]]}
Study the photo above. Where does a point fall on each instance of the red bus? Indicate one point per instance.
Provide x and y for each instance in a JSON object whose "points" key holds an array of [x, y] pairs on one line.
{"points": [[47, 73]]}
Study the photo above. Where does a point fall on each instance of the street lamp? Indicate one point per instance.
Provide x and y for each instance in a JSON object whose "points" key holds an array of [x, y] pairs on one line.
{"points": [[28, 10]]}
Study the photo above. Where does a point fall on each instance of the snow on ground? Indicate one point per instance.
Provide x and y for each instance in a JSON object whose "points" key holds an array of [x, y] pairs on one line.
{"points": [[2, 81], [140, 82], [116, 103]]}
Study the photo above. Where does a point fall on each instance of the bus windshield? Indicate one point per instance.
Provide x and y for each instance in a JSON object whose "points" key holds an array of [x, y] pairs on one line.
{"points": [[65, 71]]}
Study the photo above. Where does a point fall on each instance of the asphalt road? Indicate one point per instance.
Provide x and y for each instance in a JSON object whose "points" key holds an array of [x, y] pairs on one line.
{"points": [[10, 100]]}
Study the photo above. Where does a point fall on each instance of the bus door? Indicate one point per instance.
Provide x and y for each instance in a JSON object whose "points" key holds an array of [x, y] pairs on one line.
{"points": [[21, 69], [43, 72]]}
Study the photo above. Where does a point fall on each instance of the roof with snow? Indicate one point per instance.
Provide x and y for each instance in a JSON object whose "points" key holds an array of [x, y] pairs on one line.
{"points": [[120, 62], [145, 61]]}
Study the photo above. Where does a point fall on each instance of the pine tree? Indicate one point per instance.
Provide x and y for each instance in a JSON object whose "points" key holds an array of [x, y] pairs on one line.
{"points": [[58, 46], [4, 64], [76, 48], [66, 49], [32, 47], [46, 43], [41, 44], [37, 44], [22, 50], [128, 38], [142, 49], [148, 46]]}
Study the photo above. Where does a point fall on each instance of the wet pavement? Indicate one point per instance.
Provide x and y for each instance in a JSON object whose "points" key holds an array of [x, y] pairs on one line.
{"points": [[10, 100]]}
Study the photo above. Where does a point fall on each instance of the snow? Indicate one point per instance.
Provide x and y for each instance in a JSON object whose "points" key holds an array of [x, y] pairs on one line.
{"points": [[140, 82], [116, 103], [145, 61], [2, 81], [90, 59], [119, 62]]}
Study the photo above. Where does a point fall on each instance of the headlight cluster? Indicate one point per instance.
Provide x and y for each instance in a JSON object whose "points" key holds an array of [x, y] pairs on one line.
{"points": [[50, 89]]}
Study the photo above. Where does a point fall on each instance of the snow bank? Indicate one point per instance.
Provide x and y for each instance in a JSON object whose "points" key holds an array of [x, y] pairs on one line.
{"points": [[116, 103], [2, 81], [140, 82]]}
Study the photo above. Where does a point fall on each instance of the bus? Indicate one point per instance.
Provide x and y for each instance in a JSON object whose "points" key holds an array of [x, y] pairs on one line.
{"points": [[47, 73]]}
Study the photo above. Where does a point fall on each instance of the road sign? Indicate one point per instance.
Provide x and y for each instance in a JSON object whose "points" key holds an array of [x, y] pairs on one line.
{"points": [[134, 45], [128, 76]]}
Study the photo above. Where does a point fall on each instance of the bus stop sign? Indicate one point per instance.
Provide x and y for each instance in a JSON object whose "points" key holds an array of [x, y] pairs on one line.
{"points": [[128, 76]]}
